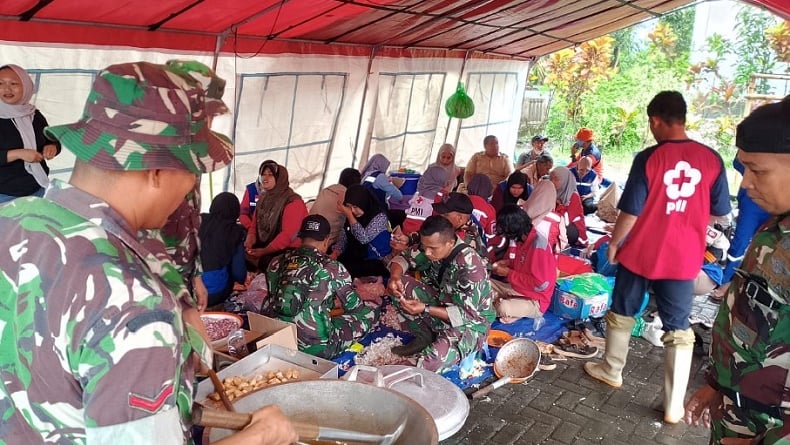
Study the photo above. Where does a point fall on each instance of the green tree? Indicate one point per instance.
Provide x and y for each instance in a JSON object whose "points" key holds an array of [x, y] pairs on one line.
{"points": [[682, 23], [753, 47], [574, 72]]}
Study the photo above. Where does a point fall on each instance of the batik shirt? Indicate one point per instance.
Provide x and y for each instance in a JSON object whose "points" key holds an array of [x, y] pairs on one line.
{"points": [[93, 348], [750, 339], [465, 290]]}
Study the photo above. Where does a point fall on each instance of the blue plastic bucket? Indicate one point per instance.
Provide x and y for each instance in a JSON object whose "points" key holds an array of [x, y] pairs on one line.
{"points": [[409, 186]]}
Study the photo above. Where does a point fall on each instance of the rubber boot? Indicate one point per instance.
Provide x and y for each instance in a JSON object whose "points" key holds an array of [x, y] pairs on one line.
{"points": [[618, 334], [422, 339], [678, 351]]}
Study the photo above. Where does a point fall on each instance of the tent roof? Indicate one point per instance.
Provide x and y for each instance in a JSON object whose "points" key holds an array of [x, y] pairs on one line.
{"points": [[515, 28]]}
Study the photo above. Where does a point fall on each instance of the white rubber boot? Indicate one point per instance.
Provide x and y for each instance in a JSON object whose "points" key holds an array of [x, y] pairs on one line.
{"points": [[678, 352], [618, 334]]}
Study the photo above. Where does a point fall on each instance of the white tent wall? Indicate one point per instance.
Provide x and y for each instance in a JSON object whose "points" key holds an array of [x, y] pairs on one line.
{"points": [[299, 110], [309, 112], [410, 123]]}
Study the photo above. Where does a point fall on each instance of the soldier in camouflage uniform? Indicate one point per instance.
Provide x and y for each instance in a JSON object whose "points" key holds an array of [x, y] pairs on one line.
{"points": [[458, 208], [449, 307], [86, 308], [748, 395], [180, 232], [304, 284]]}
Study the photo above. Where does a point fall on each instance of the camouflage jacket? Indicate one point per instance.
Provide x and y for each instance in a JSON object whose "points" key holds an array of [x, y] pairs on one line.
{"points": [[85, 309], [465, 290], [471, 233], [180, 236], [303, 287], [750, 339]]}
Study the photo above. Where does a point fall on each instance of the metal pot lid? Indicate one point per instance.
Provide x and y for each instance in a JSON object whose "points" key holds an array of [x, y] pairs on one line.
{"points": [[444, 401]]}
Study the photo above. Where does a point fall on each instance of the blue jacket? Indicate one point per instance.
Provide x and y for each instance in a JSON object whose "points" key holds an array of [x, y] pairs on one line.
{"points": [[750, 218]]}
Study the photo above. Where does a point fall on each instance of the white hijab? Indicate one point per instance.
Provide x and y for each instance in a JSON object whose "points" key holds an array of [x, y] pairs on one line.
{"points": [[21, 115]]}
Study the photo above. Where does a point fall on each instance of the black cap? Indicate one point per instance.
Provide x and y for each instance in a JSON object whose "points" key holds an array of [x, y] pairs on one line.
{"points": [[315, 227], [766, 130], [539, 137], [454, 202]]}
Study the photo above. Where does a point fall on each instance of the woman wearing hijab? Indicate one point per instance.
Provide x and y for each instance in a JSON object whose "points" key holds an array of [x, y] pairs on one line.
{"points": [[528, 270], [479, 190], [569, 206], [540, 209], [374, 177], [511, 191], [430, 189], [222, 248], [325, 203], [250, 199], [366, 238], [446, 159], [278, 217], [23, 148]]}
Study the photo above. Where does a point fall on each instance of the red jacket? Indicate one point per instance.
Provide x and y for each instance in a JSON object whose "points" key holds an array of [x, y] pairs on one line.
{"points": [[573, 214], [533, 270]]}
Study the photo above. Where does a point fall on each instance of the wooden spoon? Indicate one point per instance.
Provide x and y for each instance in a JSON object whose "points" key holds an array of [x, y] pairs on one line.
{"points": [[220, 389]]}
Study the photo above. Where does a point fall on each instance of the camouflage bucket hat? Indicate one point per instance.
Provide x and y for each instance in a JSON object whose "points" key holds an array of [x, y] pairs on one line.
{"points": [[144, 116]]}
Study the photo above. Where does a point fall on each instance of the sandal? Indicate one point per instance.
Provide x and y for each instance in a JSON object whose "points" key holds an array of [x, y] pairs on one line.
{"points": [[594, 340], [575, 344], [548, 358], [546, 363]]}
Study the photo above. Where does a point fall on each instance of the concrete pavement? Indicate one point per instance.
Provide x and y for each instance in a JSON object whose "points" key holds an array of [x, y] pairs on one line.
{"points": [[565, 406]]}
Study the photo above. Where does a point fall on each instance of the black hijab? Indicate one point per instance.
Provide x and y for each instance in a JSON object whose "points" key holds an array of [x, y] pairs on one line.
{"points": [[363, 198], [220, 234], [516, 178]]}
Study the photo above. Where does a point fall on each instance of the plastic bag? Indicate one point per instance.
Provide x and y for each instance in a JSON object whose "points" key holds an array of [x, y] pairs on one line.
{"points": [[607, 204], [459, 105]]}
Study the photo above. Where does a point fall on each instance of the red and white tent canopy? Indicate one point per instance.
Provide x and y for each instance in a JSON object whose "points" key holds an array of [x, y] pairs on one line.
{"points": [[320, 84]]}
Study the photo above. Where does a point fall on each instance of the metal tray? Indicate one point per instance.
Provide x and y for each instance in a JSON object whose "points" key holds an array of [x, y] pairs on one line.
{"points": [[270, 358]]}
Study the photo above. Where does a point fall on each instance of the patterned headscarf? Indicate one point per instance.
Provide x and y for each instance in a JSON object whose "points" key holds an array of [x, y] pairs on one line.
{"points": [[567, 184], [269, 211]]}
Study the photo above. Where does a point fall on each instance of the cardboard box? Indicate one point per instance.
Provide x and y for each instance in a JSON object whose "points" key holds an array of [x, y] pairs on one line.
{"points": [[572, 306], [273, 357], [276, 332], [267, 331]]}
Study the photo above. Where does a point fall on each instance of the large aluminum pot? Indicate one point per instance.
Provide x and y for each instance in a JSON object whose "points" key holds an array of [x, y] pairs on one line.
{"points": [[341, 404]]}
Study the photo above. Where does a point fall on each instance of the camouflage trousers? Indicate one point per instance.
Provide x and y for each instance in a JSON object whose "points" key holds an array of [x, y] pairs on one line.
{"points": [[731, 421], [346, 329], [451, 344]]}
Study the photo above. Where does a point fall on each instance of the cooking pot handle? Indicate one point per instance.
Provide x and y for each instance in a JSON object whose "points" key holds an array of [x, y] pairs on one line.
{"points": [[378, 378], [403, 375]]}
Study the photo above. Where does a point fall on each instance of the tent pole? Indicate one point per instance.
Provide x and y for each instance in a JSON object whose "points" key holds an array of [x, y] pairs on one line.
{"points": [[373, 53], [220, 40], [458, 129]]}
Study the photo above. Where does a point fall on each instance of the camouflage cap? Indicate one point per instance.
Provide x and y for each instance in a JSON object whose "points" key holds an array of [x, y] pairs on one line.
{"points": [[144, 116]]}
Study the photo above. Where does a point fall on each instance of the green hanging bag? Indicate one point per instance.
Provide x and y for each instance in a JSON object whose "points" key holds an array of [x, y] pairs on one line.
{"points": [[459, 105]]}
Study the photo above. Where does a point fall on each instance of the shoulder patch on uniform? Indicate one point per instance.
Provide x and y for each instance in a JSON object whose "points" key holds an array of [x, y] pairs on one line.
{"points": [[151, 405], [148, 317]]}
